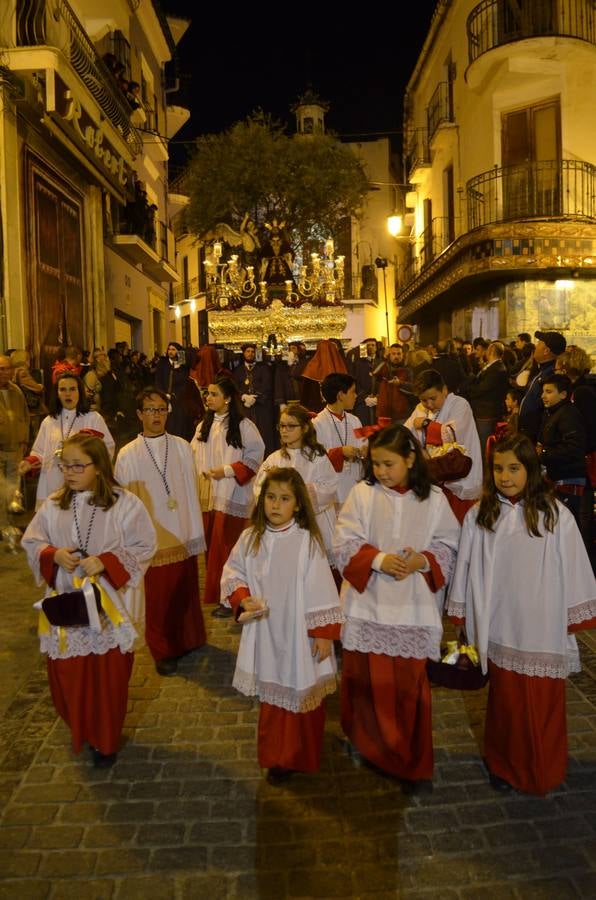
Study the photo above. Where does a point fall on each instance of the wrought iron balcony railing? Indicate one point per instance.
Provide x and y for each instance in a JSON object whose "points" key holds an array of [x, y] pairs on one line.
{"points": [[494, 23], [562, 189], [52, 23], [440, 108], [417, 149]]}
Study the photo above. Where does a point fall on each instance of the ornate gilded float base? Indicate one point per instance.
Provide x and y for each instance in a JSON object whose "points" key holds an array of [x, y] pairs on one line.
{"points": [[307, 323]]}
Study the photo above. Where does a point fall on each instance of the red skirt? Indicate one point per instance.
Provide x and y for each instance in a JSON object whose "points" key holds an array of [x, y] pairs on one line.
{"points": [[174, 620], [290, 740], [221, 533], [525, 735], [91, 694], [386, 712]]}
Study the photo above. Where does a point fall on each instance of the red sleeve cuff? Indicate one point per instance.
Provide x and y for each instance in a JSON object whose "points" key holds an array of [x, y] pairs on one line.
{"points": [[235, 600], [336, 458], [242, 473], [434, 577], [331, 632], [433, 434], [455, 620], [582, 626], [114, 570], [358, 570], [47, 566]]}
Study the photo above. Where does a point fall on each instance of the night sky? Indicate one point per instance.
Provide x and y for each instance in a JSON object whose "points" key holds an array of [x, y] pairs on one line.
{"points": [[232, 61]]}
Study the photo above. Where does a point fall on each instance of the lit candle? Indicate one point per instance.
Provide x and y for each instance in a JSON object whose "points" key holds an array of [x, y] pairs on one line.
{"points": [[329, 247], [217, 249]]}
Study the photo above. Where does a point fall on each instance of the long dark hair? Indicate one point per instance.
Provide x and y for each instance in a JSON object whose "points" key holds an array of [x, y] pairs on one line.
{"points": [[235, 413], [311, 448], [400, 440], [537, 495], [304, 516], [55, 405], [105, 493]]}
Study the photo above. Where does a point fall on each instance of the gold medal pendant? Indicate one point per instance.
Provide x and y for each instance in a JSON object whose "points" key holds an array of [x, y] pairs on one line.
{"points": [[172, 503]]}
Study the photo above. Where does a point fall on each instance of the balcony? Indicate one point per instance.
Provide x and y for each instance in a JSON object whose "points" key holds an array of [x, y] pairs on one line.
{"points": [[561, 189], [176, 117], [48, 32], [495, 23], [178, 195], [187, 291], [140, 238], [440, 108], [417, 153]]}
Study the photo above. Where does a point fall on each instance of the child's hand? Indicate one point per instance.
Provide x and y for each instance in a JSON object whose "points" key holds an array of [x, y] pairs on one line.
{"points": [[391, 564], [410, 562], [321, 648], [254, 608], [67, 558], [92, 565], [217, 474]]}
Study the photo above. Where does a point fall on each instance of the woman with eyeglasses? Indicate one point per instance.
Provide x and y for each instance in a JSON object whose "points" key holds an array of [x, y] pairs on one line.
{"points": [[228, 451], [301, 450], [68, 415], [90, 544]]}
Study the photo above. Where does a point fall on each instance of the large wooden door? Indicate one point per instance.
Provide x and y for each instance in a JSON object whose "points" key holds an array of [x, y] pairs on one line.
{"points": [[531, 161], [57, 310]]}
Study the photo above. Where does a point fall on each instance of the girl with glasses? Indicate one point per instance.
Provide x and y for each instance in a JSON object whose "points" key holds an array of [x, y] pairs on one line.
{"points": [[301, 450], [95, 536]]}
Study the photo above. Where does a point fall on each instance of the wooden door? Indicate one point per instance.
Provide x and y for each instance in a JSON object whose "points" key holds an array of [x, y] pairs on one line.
{"points": [[531, 161], [57, 310]]}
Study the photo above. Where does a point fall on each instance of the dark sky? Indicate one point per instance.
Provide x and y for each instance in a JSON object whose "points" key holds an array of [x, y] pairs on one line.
{"points": [[234, 59]]}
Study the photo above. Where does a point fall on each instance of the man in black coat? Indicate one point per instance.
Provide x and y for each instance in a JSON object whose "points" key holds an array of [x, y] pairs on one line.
{"points": [[486, 392], [255, 384], [549, 346], [361, 368]]}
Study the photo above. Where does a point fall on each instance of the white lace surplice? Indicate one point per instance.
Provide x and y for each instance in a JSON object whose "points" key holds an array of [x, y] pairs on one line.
{"points": [[274, 660], [519, 593], [395, 618]]}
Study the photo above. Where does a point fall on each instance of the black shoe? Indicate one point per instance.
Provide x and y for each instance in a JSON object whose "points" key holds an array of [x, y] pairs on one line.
{"points": [[103, 760], [416, 787], [499, 784], [166, 666], [276, 775], [222, 612]]}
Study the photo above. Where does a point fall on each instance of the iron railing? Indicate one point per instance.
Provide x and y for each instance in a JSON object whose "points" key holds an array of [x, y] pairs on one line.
{"points": [[563, 189], [440, 108], [53, 23], [494, 23], [417, 149]]}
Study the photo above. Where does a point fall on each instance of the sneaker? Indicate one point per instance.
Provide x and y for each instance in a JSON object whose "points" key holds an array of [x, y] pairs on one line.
{"points": [[222, 612], [166, 666]]}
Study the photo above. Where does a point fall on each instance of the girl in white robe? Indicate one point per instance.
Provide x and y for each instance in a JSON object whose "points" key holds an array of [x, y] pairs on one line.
{"points": [[523, 584], [395, 544], [278, 572], [68, 415], [92, 529], [301, 450]]}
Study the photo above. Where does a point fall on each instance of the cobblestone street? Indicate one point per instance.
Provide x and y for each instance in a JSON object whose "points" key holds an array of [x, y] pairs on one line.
{"points": [[186, 813]]}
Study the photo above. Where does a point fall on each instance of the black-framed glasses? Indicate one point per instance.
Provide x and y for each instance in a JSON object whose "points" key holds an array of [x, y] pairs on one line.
{"points": [[76, 468], [156, 410]]}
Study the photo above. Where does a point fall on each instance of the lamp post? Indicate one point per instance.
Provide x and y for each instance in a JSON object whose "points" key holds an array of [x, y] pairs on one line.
{"points": [[381, 263]]}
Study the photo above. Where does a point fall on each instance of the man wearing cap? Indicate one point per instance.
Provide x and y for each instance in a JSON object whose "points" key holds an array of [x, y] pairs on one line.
{"points": [[549, 345], [255, 385]]}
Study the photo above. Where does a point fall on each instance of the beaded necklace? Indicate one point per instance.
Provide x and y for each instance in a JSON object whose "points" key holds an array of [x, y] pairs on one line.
{"points": [[337, 431], [82, 546], [172, 502]]}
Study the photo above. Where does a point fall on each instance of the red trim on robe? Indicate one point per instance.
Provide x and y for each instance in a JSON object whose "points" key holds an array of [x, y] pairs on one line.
{"points": [[330, 632], [433, 434], [435, 578], [358, 570], [459, 507], [47, 566], [114, 570], [456, 620], [91, 694], [582, 626], [242, 473], [386, 712], [34, 460], [235, 600], [336, 458], [221, 533], [290, 740]]}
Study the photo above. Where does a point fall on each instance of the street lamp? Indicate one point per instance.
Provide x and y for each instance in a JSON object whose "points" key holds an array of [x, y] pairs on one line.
{"points": [[381, 263]]}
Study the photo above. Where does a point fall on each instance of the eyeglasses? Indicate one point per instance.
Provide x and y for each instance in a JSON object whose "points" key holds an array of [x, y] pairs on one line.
{"points": [[285, 427], [76, 468], [156, 410]]}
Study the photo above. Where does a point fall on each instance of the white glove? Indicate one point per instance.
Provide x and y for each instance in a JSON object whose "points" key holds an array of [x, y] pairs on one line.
{"points": [[370, 401], [249, 400]]}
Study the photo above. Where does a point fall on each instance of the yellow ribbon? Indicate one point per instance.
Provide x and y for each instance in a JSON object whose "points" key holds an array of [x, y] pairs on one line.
{"points": [[455, 650], [44, 627], [110, 609]]}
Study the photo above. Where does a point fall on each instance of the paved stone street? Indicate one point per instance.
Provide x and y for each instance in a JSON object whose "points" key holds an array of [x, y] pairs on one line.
{"points": [[186, 813]]}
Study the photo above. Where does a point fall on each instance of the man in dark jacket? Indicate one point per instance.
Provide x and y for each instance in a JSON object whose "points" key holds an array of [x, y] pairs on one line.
{"points": [[562, 442], [486, 392], [255, 384], [549, 345]]}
